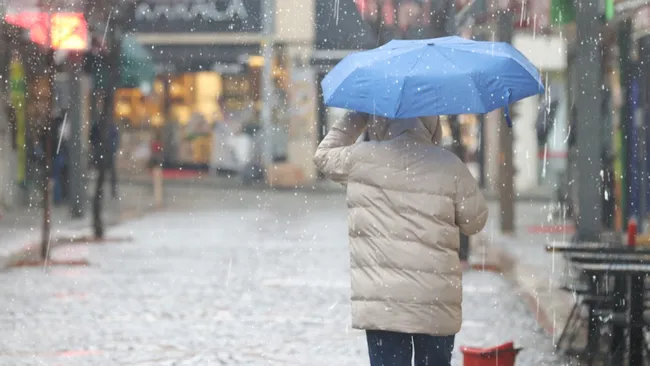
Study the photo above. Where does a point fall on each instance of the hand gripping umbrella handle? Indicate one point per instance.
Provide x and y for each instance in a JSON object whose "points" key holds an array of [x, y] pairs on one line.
{"points": [[506, 109]]}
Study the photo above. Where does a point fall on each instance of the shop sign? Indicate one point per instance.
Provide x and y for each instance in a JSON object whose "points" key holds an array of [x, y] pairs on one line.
{"points": [[206, 16], [533, 14], [60, 30]]}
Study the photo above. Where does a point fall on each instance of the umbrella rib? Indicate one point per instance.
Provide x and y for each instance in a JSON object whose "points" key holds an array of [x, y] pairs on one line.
{"points": [[505, 56], [470, 78], [401, 93]]}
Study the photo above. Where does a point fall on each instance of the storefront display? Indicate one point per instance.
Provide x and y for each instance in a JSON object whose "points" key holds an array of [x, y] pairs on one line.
{"points": [[197, 102], [237, 92]]}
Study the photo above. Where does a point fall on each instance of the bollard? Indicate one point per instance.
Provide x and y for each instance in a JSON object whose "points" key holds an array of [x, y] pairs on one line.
{"points": [[632, 229], [157, 185]]}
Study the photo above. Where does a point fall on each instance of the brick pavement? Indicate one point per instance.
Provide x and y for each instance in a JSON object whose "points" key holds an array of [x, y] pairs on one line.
{"points": [[20, 227], [224, 278], [536, 274]]}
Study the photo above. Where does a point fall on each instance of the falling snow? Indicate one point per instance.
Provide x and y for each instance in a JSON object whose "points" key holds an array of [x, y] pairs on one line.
{"points": [[161, 145]]}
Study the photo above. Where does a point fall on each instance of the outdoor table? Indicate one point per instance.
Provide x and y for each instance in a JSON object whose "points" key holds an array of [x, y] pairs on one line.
{"points": [[637, 272], [629, 256], [605, 255], [591, 247], [559, 246]]}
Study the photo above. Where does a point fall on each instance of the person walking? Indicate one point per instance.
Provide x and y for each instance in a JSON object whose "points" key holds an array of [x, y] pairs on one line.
{"points": [[113, 147], [114, 136], [59, 135], [408, 200]]}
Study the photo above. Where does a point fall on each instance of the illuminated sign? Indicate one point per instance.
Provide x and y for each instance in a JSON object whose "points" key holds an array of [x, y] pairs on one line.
{"points": [[69, 31], [26, 19], [60, 31]]}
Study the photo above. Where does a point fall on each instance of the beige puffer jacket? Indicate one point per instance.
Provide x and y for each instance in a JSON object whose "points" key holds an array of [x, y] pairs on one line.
{"points": [[407, 199]]}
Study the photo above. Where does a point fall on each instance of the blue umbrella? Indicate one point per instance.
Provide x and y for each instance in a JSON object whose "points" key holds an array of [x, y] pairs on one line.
{"points": [[430, 77]]}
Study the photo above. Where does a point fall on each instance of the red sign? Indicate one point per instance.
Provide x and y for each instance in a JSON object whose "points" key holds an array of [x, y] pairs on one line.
{"points": [[26, 19], [532, 14], [60, 31]]}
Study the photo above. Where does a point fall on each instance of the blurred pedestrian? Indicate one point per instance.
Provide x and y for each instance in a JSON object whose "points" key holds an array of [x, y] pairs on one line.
{"points": [[156, 149], [114, 139], [408, 198], [95, 145], [59, 145], [111, 157]]}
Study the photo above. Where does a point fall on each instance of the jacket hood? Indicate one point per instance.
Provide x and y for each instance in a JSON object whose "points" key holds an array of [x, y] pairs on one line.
{"points": [[422, 128]]}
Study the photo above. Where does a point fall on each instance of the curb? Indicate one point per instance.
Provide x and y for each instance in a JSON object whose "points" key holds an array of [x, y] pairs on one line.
{"points": [[549, 305], [318, 187], [30, 252], [227, 184]]}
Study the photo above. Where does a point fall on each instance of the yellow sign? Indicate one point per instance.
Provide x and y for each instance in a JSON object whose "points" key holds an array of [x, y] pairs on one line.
{"points": [[17, 77], [69, 31]]}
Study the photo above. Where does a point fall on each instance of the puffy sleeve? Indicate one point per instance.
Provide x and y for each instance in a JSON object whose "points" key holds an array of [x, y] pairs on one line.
{"points": [[470, 205], [333, 153]]}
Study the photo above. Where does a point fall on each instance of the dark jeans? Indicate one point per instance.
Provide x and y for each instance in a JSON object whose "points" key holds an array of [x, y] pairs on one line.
{"points": [[396, 349]]}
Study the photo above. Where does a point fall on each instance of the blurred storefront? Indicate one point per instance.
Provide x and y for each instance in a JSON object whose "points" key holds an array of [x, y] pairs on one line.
{"points": [[627, 79], [537, 164], [542, 164], [210, 52]]}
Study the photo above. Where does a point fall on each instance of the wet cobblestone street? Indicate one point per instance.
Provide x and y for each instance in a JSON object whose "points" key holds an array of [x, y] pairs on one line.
{"points": [[241, 278]]}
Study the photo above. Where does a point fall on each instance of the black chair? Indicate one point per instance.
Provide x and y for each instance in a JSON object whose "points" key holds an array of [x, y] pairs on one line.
{"points": [[593, 296]]}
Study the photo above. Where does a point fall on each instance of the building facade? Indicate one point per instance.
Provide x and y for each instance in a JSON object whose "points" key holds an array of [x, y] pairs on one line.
{"points": [[211, 53]]}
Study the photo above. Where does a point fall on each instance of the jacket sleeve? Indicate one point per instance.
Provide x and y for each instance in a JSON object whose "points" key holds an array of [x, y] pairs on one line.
{"points": [[471, 208], [333, 153]]}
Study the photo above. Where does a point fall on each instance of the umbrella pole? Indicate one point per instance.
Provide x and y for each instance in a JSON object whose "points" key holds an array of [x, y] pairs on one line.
{"points": [[459, 150]]}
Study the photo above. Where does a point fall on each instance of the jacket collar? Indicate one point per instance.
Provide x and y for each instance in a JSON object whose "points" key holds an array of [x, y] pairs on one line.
{"points": [[425, 128]]}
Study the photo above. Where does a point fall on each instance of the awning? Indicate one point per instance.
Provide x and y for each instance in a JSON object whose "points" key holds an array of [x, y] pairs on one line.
{"points": [[137, 69], [194, 58], [136, 66]]}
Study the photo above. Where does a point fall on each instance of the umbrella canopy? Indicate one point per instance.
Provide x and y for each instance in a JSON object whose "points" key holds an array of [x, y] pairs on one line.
{"points": [[440, 76]]}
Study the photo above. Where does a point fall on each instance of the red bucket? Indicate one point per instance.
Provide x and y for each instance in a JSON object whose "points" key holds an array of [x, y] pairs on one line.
{"points": [[503, 355]]}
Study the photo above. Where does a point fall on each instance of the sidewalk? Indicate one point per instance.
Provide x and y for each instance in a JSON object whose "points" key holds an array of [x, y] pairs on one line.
{"points": [[523, 260], [21, 227], [226, 182]]}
